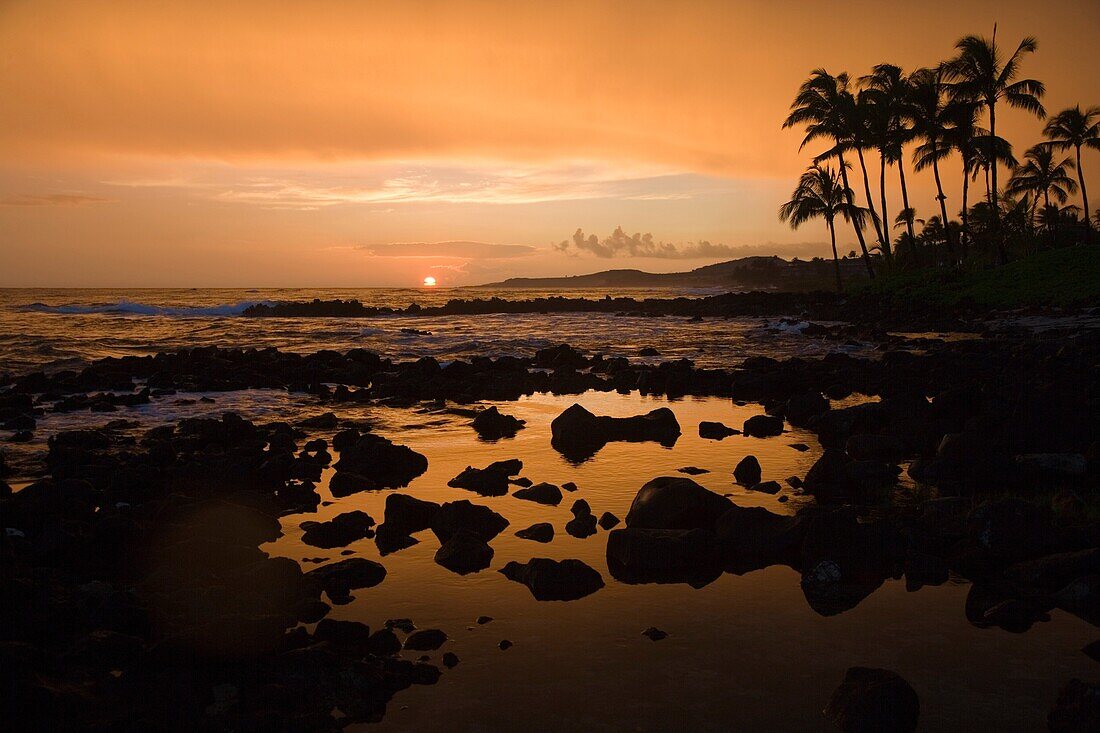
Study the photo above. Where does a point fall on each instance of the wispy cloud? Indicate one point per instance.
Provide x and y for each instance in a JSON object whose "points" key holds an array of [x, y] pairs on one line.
{"points": [[52, 199], [463, 250]]}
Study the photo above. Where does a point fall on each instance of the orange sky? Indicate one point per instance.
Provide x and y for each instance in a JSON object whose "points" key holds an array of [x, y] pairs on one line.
{"points": [[290, 143]]}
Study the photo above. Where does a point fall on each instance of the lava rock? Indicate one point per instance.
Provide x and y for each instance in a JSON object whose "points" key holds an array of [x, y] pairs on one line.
{"points": [[763, 426], [462, 515], [670, 502], [608, 520], [464, 553], [491, 424], [716, 430], [747, 472], [425, 640], [542, 493], [540, 532], [340, 531], [873, 700], [339, 578], [551, 580]]}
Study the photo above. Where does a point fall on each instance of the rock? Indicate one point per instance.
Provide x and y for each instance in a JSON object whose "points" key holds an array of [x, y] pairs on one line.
{"points": [[800, 447], [482, 620], [578, 434], [425, 640], [403, 624], [763, 426], [580, 508], [491, 424], [648, 351], [754, 537], [540, 532], [800, 408], [542, 493], [608, 520], [1053, 465], [747, 472], [346, 483], [352, 636], [389, 465], [581, 526], [450, 660], [569, 486], [675, 503], [868, 447], [493, 480], [654, 634], [923, 569], [1077, 709], [551, 580], [794, 482], [873, 700], [692, 470], [464, 553], [462, 515], [1054, 572], [766, 487], [405, 515], [716, 430], [339, 578], [340, 531], [345, 439], [326, 421], [504, 645], [663, 556]]}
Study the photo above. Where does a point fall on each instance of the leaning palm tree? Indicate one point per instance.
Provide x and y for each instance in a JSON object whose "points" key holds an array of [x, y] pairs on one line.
{"points": [[980, 74], [822, 193], [860, 118], [887, 91], [1072, 128], [1042, 175], [930, 112], [823, 104]]}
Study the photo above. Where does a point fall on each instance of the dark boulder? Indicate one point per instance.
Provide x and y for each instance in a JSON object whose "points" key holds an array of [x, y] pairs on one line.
{"points": [[551, 580], [663, 556], [542, 493], [870, 447], [405, 515], [747, 472], [672, 502], [540, 532], [462, 515], [340, 531], [338, 578], [873, 700], [491, 424], [378, 459], [800, 408], [581, 526], [608, 520], [716, 430], [425, 640], [346, 483], [464, 553], [763, 426], [766, 487], [493, 480], [578, 434]]}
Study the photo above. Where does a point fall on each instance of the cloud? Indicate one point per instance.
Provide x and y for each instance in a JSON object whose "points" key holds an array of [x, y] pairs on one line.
{"points": [[53, 199], [463, 250]]}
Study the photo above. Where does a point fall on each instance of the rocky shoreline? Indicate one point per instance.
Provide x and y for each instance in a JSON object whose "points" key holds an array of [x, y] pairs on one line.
{"points": [[1002, 431]]}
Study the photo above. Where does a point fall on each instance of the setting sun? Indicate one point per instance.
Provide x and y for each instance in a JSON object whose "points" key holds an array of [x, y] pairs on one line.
{"points": [[429, 282]]}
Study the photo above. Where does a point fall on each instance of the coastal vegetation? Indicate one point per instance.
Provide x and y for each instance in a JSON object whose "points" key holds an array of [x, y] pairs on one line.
{"points": [[944, 118]]}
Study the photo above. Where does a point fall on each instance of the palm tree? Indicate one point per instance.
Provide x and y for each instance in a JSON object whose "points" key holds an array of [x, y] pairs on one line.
{"points": [[823, 104], [987, 153], [887, 91], [1074, 128], [980, 74], [860, 120], [1041, 175], [821, 193], [961, 136], [930, 112]]}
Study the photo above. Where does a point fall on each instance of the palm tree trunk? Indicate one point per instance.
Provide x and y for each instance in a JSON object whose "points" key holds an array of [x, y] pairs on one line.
{"points": [[1084, 198], [943, 208], [885, 216], [870, 200], [1002, 251], [965, 243], [836, 258], [855, 224], [905, 199]]}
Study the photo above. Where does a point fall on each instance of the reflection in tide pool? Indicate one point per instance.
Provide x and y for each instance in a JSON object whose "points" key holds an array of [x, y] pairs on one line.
{"points": [[743, 653]]}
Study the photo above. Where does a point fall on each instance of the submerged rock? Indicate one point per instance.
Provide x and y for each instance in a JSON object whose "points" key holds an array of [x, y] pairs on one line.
{"points": [[670, 502], [654, 634], [551, 580], [873, 700]]}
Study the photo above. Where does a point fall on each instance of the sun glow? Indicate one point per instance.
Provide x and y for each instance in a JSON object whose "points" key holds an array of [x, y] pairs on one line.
{"points": [[429, 282]]}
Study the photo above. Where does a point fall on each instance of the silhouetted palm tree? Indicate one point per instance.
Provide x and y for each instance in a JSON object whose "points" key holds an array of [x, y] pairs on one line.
{"points": [[887, 91], [1072, 128], [963, 131], [824, 104], [1041, 175], [821, 193], [989, 152], [980, 74], [931, 114], [859, 118]]}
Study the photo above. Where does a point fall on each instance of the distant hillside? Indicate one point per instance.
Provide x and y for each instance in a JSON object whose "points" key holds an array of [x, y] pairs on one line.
{"points": [[770, 273]]}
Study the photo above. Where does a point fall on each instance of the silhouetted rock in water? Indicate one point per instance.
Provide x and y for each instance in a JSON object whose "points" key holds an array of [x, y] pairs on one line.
{"points": [[923, 569], [569, 486], [542, 493], [716, 430], [540, 532], [692, 470], [425, 640], [663, 556], [341, 530], [608, 520], [551, 580], [464, 553], [377, 459], [580, 508], [326, 421], [403, 624], [766, 487], [491, 424], [671, 502], [654, 634], [352, 636], [462, 515], [881, 448], [873, 700], [345, 439], [801, 408], [753, 537], [1077, 709], [450, 660], [747, 472], [578, 434], [339, 578], [504, 645], [482, 620], [648, 351], [493, 480], [836, 477], [405, 515], [581, 526], [346, 483], [1081, 597], [763, 426], [800, 447]]}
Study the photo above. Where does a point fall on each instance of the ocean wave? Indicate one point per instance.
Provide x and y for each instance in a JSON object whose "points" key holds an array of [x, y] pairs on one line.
{"points": [[130, 308]]}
